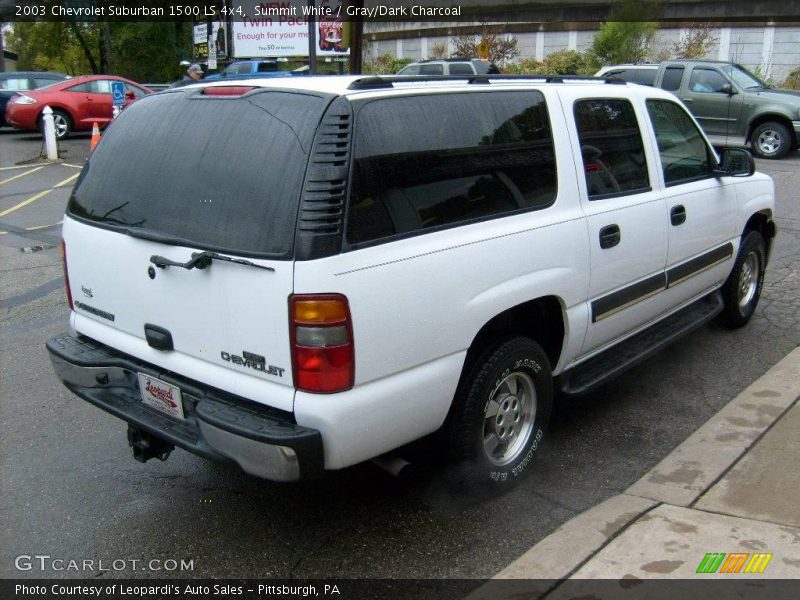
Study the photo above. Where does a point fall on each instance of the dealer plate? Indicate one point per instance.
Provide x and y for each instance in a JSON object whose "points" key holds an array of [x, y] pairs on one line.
{"points": [[161, 395]]}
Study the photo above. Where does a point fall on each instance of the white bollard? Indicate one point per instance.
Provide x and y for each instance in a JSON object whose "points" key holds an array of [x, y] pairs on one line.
{"points": [[49, 133]]}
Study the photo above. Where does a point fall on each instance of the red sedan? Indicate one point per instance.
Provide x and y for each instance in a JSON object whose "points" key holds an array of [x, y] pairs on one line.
{"points": [[77, 103]]}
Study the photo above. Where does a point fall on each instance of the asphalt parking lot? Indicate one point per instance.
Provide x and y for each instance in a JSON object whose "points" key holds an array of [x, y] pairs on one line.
{"points": [[71, 490]]}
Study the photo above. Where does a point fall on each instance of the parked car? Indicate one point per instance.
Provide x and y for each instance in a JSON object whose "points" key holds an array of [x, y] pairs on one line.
{"points": [[77, 104], [450, 66], [253, 68], [732, 105], [19, 81], [644, 74], [367, 266]]}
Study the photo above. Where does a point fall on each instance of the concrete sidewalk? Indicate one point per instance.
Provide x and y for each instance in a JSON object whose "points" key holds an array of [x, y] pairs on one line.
{"points": [[733, 487]]}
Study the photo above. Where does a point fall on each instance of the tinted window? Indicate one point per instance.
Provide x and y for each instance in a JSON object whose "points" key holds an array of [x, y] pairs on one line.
{"points": [[706, 81], [267, 67], [221, 173], [672, 78], [684, 153], [645, 76], [611, 146], [420, 164], [430, 70], [461, 69], [83, 87], [409, 70]]}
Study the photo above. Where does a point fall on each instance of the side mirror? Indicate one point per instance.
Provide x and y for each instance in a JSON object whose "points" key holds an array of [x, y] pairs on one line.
{"points": [[735, 162], [727, 88]]}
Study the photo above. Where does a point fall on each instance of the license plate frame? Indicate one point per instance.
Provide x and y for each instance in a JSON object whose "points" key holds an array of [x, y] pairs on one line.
{"points": [[162, 396]]}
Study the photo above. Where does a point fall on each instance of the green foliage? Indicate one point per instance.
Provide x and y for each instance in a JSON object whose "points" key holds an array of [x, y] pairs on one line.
{"points": [[695, 43], [385, 64], [563, 62], [628, 38], [792, 82], [144, 52]]}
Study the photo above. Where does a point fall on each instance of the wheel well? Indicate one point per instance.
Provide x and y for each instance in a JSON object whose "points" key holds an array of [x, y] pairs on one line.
{"points": [[541, 319], [762, 222], [761, 119]]}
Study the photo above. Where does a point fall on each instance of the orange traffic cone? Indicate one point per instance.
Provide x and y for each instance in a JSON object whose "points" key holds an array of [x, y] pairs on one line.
{"points": [[95, 136]]}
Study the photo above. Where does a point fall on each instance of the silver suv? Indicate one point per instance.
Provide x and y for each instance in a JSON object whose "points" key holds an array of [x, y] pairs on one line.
{"points": [[451, 66]]}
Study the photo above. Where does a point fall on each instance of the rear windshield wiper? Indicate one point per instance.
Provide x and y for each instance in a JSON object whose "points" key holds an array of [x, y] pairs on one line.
{"points": [[201, 260]]}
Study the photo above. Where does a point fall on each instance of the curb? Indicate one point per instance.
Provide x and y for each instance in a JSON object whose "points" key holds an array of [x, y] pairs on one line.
{"points": [[680, 479]]}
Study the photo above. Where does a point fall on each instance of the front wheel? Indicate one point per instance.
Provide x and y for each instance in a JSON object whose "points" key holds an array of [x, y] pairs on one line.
{"points": [[771, 140], [742, 289], [500, 414]]}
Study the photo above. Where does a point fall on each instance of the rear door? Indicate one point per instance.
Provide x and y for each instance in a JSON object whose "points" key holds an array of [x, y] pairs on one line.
{"points": [[179, 174], [625, 215]]}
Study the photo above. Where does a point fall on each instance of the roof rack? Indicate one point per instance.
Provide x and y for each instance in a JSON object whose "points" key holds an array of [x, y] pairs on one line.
{"points": [[375, 82]]}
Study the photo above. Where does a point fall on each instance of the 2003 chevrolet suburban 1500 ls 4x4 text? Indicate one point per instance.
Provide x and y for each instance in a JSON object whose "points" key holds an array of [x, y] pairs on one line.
{"points": [[331, 268]]}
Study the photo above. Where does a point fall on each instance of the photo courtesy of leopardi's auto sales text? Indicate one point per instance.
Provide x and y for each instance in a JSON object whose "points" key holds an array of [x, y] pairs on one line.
{"points": [[414, 299]]}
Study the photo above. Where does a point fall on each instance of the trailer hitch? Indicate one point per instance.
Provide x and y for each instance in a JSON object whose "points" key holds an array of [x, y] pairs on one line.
{"points": [[146, 446]]}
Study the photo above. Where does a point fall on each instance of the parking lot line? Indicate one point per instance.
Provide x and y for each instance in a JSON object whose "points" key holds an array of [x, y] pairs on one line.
{"points": [[26, 202], [22, 175], [67, 180], [73, 166], [14, 167], [37, 227]]}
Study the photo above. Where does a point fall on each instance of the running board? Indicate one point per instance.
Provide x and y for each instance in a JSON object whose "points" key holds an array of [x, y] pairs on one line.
{"points": [[600, 369]]}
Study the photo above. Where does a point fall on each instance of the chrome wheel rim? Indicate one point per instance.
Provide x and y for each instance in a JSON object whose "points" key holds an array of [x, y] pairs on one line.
{"points": [[60, 123], [769, 141], [748, 280], [508, 419]]}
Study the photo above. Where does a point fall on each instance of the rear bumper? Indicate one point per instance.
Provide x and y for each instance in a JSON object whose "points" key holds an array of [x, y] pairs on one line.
{"points": [[264, 442]]}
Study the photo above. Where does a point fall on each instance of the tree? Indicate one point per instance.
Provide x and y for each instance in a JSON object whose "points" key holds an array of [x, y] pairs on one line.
{"points": [[626, 39], [145, 52], [695, 43], [500, 48]]}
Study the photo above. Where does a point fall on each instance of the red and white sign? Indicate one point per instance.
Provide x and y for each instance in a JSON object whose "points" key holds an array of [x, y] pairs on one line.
{"points": [[161, 395], [280, 28]]}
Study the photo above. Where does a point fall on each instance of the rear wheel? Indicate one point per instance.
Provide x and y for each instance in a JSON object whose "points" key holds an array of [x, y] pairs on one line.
{"points": [[771, 140], [62, 123], [500, 414], [743, 286]]}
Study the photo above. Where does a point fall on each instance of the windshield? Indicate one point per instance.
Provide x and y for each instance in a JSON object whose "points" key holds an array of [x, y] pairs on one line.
{"points": [[219, 173], [742, 77]]}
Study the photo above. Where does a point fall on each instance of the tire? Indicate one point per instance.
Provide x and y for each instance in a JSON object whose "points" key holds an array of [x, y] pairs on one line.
{"points": [[499, 416], [62, 122], [771, 140], [742, 289]]}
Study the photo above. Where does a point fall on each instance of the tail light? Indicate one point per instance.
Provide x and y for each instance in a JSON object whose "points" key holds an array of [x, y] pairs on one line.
{"points": [[323, 357], [66, 274]]}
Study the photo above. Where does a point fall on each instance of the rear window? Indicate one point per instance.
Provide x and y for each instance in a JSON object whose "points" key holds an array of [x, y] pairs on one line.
{"points": [[220, 173], [672, 79]]}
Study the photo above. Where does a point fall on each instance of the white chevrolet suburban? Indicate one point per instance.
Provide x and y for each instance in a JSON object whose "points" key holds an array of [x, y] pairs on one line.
{"points": [[302, 274]]}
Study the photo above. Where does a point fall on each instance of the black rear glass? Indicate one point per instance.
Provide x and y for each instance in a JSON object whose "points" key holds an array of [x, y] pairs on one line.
{"points": [[221, 173]]}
